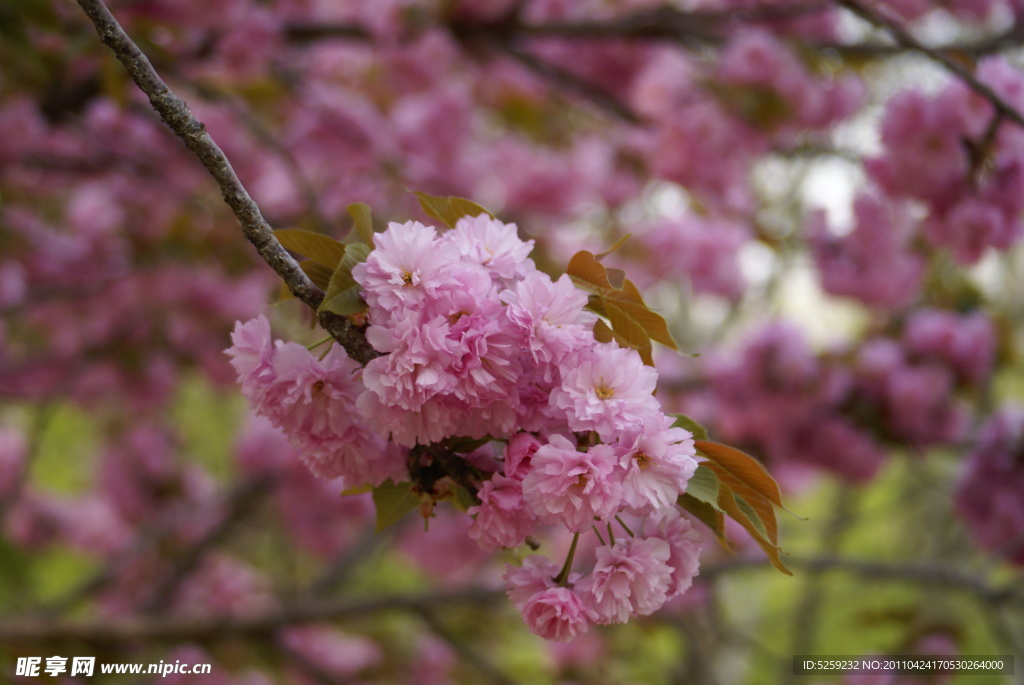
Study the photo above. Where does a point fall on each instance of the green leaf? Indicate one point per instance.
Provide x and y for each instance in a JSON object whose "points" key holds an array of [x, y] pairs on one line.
{"points": [[710, 515], [360, 213], [448, 210], [342, 292], [684, 421], [317, 272], [357, 490], [620, 301], [462, 499], [393, 502], [345, 303], [320, 248], [703, 485], [356, 253]]}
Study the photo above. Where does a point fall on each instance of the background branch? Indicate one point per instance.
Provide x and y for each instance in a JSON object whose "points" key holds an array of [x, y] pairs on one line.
{"points": [[119, 632]]}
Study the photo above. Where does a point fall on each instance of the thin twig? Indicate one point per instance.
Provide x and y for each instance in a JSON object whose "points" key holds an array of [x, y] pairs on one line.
{"points": [[571, 82], [877, 17], [176, 114]]}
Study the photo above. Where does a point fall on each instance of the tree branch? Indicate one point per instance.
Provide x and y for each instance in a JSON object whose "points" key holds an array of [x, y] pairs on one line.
{"points": [[115, 632], [918, 573], [876, 17], [176, 114], [566, 79]]}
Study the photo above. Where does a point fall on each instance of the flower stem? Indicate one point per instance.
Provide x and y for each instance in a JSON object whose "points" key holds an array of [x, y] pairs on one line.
{"points": [[624, 526], [319, 343], [563, 575]]}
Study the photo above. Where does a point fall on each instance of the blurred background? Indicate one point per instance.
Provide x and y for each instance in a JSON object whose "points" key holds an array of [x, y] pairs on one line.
{"points": [[828, 218]]}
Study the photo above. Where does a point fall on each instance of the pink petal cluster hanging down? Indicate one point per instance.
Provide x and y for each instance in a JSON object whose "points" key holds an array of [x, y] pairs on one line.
{"points": [[478, 343]]}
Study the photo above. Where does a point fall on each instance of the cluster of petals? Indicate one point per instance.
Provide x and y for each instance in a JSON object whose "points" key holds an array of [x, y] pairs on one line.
{"points": [[313, 401], [475, 342], [631, 577], [989, 487], [951, 151]]}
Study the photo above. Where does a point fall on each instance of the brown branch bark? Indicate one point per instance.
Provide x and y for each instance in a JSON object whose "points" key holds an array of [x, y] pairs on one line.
{"points": [[176, 114], [121, 632]]}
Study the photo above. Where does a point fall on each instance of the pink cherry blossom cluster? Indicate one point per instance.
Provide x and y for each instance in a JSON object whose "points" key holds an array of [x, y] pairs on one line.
{"points": [[952, 152], [313, 401], [988, 494], [914, 385], [479, 344], [777, 397], [873, 263], [835, 410]]}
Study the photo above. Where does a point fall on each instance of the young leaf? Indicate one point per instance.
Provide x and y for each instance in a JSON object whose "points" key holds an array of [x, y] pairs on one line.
{"points": [[393, 502], [448, 210], [743, 467], [742, 511], [320, 248], [317, 272], [761, 506], [684, 421], [710, 515], [345, 303], [703, 485], [360, 213], [341, 295], [620, 301], [602, 333]]}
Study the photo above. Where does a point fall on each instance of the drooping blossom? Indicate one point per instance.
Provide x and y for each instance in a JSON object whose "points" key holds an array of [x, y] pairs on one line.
{"points": [[631, 578], [571, 487]]}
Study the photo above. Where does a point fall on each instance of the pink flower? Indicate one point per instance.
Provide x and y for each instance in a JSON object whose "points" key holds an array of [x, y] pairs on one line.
{"points": [[609, 390], [988, 493], [405, 268], [571, 487], [549, 316], [630, 578], [519, 453], [684, 543], [658, 461], [250, 352], [493, 245], [502, 519], [556, 614], [535, 575]]}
